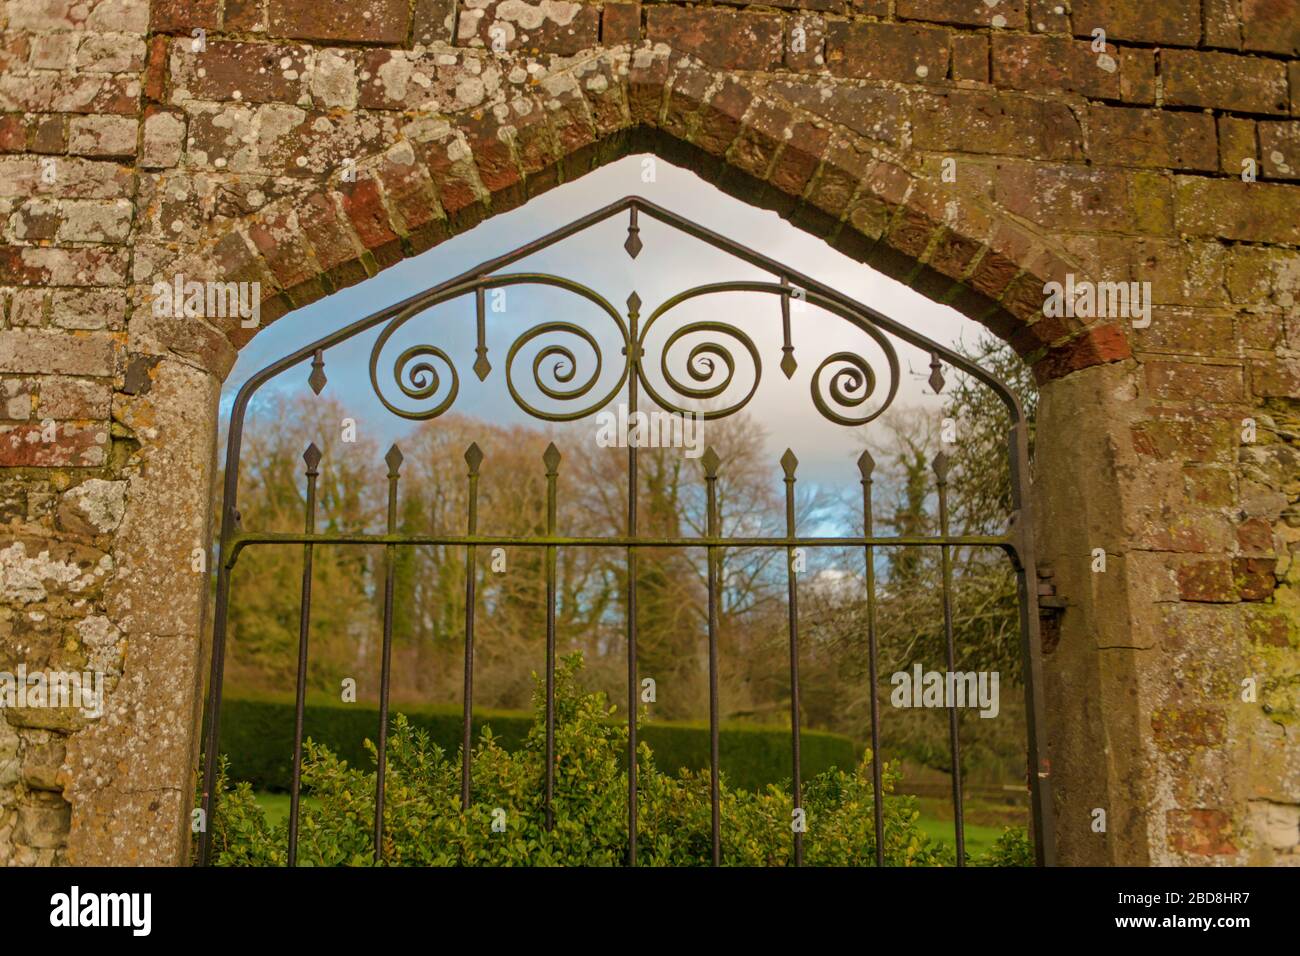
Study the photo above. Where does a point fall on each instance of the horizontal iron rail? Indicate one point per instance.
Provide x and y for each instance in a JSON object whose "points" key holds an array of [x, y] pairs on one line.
{"points": [[248, 539]]}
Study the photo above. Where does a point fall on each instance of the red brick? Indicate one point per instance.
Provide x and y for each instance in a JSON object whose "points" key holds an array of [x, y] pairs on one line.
{"points": [[1049, 16], [646, 83], [1237, 142], [620, 23], [721, 38], [358, 21], [1096, 346], [71, 93], [245, 16], [13, 134], [974, 13], [476, 28], [1200, 832], [1187, 381], [1177, 24], [434, 21], [1041, 63], [1254, 578], [1255, 537], [1182, 730], [1207, 581], [283, 248], [253, 70], [48, 135], [722, 117], [1224, 81], [74, 445], [1137, 75], [1222, 24], [970, 57], [1231, 209], [365, 210], [155, 71], [494, 159], [764, 133], [1271, 26], [1000, 123], [1279, 148], [1155, 138], [887, 51], [182, 16], [812, 57], [798, 160], [331, 240], [1275, 378], [1195, 440]]}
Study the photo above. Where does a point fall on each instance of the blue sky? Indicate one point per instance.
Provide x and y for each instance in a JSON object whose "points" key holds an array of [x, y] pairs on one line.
{"points": [[669, 263]]}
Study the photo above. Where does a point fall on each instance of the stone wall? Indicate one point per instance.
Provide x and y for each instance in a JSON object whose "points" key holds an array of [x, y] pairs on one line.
{"points": [[976, 149]]}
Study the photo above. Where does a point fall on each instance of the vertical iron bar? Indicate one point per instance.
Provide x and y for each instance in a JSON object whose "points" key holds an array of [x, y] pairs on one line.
{"points": [[634, 359], [394, 460], [950, 685], [312, 457], [710, 462], [866, 465], [473, 457], [219, 620], [552, 460], [788, 464], [1031, 649]]}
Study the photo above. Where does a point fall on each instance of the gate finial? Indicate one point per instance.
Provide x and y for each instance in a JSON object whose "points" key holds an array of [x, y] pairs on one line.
{"points": [[710, 461], [473, 457], [941, 464], [551, 457], [394, 460], [317, 377], [866, 465], [788, 464]]}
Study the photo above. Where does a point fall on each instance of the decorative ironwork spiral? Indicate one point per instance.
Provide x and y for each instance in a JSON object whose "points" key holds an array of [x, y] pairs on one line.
{"points": [[850, 386], [423, 377], [416, 374], [702, 365], [711, 364], [561, 364]]}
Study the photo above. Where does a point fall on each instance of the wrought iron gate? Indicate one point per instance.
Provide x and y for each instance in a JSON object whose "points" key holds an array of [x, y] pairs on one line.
{"points": [[851, 382]]}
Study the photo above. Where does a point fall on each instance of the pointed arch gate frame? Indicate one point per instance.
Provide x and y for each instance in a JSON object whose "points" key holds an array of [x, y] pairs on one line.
{"points": [[852, 381]]}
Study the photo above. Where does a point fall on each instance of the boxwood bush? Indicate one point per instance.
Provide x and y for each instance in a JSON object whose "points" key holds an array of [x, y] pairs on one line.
{"points": [[505, 824], [257, 739]]}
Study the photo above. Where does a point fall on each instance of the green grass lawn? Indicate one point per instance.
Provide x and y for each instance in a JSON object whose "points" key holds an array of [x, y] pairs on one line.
{"points": [[979, 838], [276, 805]]}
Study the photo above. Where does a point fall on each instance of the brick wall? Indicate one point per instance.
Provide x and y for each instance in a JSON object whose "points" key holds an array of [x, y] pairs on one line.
{"points": [[974, 149]]}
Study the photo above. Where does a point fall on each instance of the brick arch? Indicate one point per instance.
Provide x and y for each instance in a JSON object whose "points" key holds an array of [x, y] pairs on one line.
{"points": [[769, 146]]}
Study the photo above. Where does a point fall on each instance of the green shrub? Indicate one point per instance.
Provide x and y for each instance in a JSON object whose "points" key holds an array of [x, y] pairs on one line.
{"points": [[1011, 849], [257, 738], [424, 825]]}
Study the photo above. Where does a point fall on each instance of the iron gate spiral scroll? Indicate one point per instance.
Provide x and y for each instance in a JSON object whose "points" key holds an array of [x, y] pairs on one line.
{"points": [[841, 386]]}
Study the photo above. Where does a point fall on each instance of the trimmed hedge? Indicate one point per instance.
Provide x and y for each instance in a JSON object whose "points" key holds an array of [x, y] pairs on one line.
{"points": [[257, 738]]}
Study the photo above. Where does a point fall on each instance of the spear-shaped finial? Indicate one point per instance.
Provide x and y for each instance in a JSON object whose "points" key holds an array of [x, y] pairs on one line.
{"points": [[473, 457], [941, 463], [788, 464], [551, 458], [710, 461], [866, 465], [394, 460]]}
